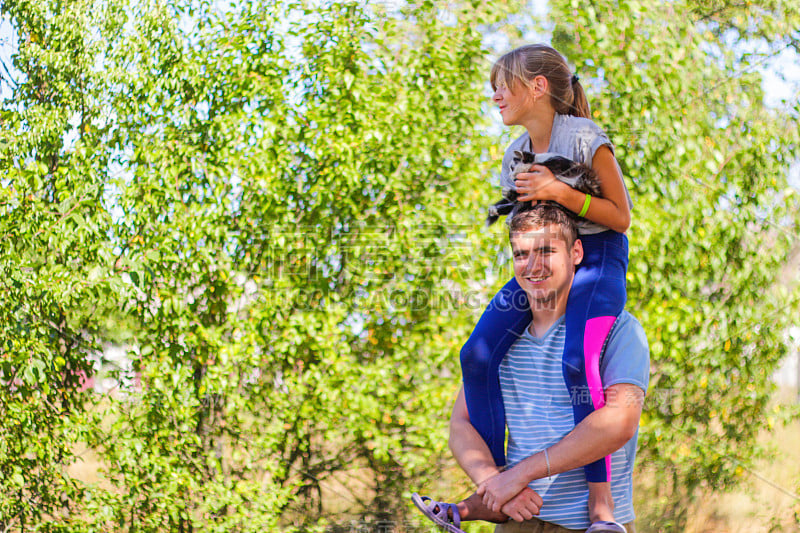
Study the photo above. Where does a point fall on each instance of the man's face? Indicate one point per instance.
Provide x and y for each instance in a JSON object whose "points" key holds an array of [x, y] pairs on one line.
{"points": [[544, 265]]}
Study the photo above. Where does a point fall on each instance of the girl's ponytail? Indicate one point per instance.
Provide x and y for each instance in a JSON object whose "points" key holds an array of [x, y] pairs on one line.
{"points": [[580, 104]]}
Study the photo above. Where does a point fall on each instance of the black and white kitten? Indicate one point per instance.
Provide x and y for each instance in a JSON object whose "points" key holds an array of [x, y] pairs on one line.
{"points": [[577, 175]]}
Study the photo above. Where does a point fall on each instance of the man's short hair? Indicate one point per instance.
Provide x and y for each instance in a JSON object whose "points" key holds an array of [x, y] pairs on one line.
{"points": [[526, 216]]}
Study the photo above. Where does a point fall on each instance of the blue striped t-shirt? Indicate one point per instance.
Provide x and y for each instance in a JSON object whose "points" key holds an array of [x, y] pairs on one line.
{"points": [[539, 414]]}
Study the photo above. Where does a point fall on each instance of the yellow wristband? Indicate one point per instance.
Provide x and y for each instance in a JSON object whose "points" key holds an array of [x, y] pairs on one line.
{"points": [[586, 203]]}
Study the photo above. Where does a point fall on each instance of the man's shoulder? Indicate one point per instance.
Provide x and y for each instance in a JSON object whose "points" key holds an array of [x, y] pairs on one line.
{"points": [[628, 322], [628, 333], [627, 355]]}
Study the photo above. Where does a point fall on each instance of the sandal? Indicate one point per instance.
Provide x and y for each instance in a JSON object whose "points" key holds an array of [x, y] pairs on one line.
{"points": [[606, 527], [437, 512]]}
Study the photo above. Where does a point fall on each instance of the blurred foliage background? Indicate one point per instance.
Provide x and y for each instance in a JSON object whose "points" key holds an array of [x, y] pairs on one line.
{"points": [[277, 210]]}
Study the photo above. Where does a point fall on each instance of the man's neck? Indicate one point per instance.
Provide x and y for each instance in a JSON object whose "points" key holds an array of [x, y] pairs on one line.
{"points": [[544, 316]]}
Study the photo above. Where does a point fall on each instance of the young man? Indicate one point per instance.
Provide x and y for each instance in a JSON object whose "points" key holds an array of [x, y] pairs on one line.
{"points": [[544, 489]]}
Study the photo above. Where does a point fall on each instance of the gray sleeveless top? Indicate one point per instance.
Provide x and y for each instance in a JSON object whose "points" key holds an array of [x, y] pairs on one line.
{"points": [[572, 137]]}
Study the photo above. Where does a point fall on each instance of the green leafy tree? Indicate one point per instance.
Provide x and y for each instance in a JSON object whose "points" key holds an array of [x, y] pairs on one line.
{"points": [[285, 186], [58, 282]]}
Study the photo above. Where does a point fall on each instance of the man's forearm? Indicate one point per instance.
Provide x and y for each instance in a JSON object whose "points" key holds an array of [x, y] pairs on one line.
{"points": [[467, 446], [600, 434]]}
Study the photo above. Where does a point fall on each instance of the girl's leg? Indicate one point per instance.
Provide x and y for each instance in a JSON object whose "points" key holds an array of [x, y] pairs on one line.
{"points": [[596, 298], [468, 509], [503, 321]]}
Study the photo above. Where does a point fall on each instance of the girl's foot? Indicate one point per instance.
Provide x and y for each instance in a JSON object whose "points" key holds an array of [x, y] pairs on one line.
{"points": [[449, 516], [444, 515]]}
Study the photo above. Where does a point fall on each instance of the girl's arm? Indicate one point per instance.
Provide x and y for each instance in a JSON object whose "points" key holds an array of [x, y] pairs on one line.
{"points": [[611, 210]]}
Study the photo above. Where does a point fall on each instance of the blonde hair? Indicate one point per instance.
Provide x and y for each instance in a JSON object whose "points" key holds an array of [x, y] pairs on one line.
{"points": [[523, 64]]}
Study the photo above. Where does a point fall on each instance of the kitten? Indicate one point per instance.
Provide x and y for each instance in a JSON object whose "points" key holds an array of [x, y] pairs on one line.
{"points": [[577, 175]]}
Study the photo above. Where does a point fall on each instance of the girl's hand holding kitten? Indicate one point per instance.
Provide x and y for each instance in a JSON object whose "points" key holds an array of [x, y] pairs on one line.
{"points": [[539, 183]]}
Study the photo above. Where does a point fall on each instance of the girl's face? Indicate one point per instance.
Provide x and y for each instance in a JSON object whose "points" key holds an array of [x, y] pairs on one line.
{"points": [[515, 105]]}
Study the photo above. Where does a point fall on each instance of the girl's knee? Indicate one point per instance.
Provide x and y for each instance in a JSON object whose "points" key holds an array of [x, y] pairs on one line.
{"points": [[475, 357]]}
